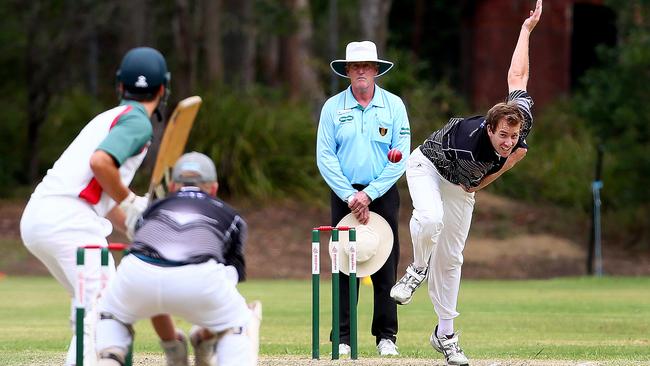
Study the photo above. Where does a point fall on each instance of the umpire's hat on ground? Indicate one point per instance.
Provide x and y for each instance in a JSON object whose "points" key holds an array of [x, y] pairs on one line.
{"points": [[374, 244], [194, 168]]}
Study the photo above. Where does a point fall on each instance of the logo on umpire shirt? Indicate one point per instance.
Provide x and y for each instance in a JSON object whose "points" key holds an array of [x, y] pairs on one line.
{"points": [[383, 131], [344, 119]]}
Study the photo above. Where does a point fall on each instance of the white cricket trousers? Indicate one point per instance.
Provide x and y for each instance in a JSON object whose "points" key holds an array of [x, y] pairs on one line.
{"points": [[52, 228], [203, 294], [442, 215]]}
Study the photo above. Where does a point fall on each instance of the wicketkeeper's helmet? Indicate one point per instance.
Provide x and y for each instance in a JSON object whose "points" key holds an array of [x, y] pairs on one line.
{"points": [[142, 71]]}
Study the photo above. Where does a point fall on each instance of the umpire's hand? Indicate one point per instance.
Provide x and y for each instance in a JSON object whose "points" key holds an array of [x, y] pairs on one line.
{"points": [[358, 205]]}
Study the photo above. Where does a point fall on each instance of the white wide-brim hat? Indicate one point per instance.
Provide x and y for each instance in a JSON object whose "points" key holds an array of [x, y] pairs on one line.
{"points": [[360, 52], [374, 244]]}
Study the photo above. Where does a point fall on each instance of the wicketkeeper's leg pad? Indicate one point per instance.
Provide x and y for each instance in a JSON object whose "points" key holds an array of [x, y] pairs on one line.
{"points": [[114, 335], [253, 329], [234, 348], [112, 356]]}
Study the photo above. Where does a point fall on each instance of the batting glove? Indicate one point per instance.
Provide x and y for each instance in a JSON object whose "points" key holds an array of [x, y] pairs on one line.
{"points": [[133, 207]]}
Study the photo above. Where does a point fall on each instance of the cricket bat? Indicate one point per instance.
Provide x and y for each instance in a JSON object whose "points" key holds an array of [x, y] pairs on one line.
{"points": [[173, 143]]}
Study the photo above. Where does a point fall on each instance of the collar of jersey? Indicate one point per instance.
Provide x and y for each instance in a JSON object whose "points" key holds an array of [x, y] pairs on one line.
{"points": [[351, 102], [135, 104]]}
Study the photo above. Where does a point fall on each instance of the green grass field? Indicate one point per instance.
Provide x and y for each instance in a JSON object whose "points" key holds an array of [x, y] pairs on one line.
{"points": [[606, 319]]}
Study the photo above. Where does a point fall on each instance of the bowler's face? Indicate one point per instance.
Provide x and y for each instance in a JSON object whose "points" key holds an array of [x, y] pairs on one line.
{"points": [[362, 74], [504, 138]]}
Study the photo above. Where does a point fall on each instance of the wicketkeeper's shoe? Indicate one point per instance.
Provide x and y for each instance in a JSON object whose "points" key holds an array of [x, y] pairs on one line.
{"points": [[176, 350], [344, 349], [204, 349], [448, 346], [386, 347], [404, 289]]}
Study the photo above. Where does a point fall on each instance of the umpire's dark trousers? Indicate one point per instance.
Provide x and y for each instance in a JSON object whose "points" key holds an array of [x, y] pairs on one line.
{"points": [[384, 319]]}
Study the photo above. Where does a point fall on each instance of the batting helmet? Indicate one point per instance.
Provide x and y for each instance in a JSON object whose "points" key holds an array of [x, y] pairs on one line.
{"points": [[142, 71]]}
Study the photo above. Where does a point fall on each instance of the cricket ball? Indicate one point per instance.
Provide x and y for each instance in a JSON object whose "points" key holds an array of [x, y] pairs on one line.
{"points": [[394, 156]]}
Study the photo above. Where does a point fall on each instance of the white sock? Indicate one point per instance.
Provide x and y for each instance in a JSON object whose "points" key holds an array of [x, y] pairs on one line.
{"points": [[445, 327]]}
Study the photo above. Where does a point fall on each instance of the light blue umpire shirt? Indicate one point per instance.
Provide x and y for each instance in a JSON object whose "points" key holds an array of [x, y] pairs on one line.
{"points": [[353, 142]]}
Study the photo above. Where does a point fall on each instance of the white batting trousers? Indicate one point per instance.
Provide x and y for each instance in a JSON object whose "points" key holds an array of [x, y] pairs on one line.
{"points": [[202, 294], [442, 215], [52, 228]]}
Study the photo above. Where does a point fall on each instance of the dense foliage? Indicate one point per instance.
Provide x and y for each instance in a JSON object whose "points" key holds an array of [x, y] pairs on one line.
{"points": [[263, 145], [263, 137]]}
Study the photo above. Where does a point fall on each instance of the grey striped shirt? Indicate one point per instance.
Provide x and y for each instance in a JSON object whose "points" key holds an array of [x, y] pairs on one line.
{"points": [[461, 150], [192, 227]]}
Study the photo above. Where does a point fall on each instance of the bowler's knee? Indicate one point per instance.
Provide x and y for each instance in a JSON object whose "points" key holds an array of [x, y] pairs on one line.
{"points": [[454, 261], [430, 222]]}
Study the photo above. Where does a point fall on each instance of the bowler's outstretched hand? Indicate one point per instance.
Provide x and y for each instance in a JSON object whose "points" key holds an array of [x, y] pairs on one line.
{"points": [[532, 20]]}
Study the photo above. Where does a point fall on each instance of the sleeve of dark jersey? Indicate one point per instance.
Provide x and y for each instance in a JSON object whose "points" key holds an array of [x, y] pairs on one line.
{"points": [[234, 256], [525, 104]]}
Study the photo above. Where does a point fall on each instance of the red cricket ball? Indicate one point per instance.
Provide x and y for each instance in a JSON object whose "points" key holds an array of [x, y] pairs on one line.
{"points": [[394, 156]]}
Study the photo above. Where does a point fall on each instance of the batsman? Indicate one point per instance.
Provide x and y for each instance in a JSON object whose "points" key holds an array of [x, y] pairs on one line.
{"points": [[85, 194]]}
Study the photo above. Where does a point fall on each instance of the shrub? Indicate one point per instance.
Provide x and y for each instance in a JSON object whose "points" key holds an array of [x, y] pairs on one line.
{"points": [[263, 146]]}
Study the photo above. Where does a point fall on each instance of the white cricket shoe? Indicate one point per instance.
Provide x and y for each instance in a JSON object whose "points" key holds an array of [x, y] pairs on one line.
{"points": [[386, 347], [176, 350], [404, 289], [448, 346], [344, 349], [204, 349]]}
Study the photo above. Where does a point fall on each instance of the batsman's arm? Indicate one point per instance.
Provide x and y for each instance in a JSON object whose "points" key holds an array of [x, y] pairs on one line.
{"points": [[117, 217], [105, 170], [519, 65]]}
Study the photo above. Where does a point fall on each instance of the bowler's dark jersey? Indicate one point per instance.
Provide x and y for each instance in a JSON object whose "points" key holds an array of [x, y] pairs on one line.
{"points": [[462, 151]]}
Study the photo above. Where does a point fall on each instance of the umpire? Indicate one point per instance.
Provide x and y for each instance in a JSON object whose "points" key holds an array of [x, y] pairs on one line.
{"points": [[357, 128]]}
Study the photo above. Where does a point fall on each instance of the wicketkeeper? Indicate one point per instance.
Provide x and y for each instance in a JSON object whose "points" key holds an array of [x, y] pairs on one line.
{"points": [[186, 259]]}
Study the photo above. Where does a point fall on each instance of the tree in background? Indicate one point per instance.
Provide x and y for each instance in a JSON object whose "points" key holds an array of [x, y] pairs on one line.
{"points": [[614, 99]]}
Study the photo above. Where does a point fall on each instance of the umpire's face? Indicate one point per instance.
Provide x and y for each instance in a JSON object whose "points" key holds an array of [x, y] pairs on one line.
{"points": [[504, 137], [362, 74]]}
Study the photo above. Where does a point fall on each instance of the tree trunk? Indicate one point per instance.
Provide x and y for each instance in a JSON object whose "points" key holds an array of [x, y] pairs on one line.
{"points": [[135, 25], [239, 40], [418, 23], [373, 16], [333, 42], [184, 42], [270, 59], [212, 40], [302, 77], [39, 87]]}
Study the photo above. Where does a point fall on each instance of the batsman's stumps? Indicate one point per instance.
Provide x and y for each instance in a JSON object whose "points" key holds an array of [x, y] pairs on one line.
{"points": [[315, 275], [80, 301]]}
